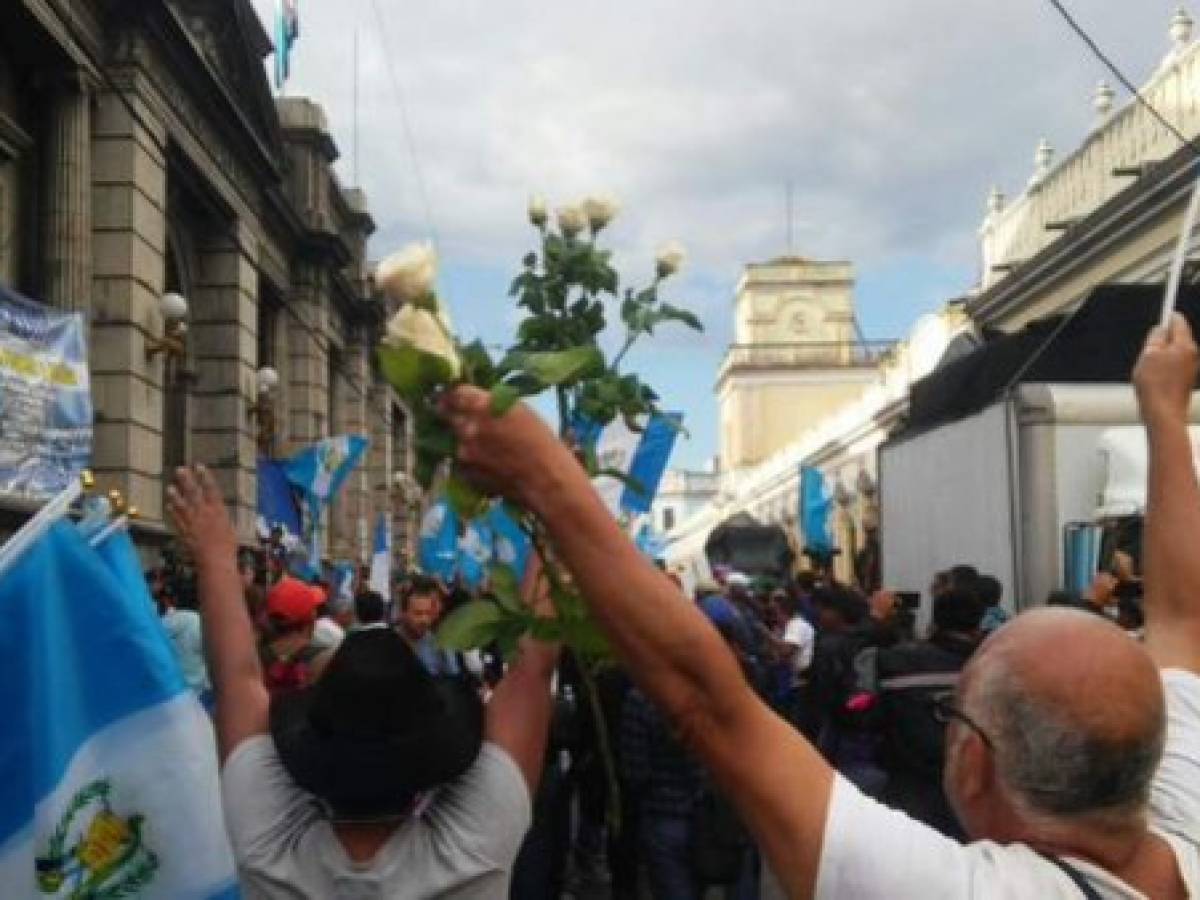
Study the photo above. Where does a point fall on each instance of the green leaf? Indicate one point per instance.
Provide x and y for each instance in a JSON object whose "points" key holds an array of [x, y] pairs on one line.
{"points": [[667, 312], [558, 367], [465, 500], [546, 629], [478, 368], [586, 639], [505, 587], [412, 372], [624, 477], [474, 624], [504, 397], [567, 603]]}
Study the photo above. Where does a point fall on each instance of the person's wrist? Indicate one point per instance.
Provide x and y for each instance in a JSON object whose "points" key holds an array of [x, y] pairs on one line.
{"points": [[551, 483], [1161, 415]]}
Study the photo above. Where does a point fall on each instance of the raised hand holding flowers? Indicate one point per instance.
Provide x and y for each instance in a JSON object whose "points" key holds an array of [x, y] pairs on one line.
{"points": [[562, 290]]}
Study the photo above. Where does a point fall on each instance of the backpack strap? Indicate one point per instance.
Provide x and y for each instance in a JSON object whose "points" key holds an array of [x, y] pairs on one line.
{"points": [[1074, 874], [934, 680]]}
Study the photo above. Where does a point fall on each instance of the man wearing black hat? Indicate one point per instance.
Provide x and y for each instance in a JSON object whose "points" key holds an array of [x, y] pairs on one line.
{"points": [[379, 780]]}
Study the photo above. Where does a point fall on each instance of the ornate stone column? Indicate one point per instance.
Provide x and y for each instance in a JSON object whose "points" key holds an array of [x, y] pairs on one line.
{"points": [[67, 199]]}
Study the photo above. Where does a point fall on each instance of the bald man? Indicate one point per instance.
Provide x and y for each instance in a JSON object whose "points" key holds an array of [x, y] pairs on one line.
{"points": [[1055, 736]]}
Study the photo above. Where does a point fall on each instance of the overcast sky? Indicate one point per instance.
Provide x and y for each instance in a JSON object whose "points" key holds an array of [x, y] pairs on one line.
{"points": [[892, 120]]}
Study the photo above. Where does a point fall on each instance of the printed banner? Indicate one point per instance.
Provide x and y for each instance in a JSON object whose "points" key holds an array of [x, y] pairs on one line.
{"points": [[45, 397]]}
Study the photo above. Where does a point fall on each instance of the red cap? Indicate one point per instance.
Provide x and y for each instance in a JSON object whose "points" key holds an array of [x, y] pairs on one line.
{"points": [[293, 601]]}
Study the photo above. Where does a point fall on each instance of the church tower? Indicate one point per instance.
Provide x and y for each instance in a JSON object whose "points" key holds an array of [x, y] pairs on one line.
{"points": [[795, 359]]}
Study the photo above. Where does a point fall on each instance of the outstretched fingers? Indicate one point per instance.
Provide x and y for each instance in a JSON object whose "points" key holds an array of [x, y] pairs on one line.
{"points": [[208, 485]]}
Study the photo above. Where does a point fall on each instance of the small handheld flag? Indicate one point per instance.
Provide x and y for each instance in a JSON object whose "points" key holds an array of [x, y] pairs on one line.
{"points": [[381, 559]]}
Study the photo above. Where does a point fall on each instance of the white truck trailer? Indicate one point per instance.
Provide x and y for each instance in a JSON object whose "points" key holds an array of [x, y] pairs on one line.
{"points": [[1002, 489]]}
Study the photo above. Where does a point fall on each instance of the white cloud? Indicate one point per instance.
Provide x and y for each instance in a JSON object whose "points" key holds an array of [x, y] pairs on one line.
{"points": [[892, 119]]}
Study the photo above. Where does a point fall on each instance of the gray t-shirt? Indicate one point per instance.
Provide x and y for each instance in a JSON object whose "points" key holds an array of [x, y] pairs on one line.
{"points": [[461, 845]]}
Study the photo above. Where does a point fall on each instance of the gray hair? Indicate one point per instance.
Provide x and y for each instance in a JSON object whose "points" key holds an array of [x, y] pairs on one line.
{"points": [[1053, 763]]}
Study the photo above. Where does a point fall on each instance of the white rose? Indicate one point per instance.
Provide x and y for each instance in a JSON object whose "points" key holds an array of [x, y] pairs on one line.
{"points": [[408, 276], [537, 211], [670, 258], [600, 210], [422, 330], [571, 220]]}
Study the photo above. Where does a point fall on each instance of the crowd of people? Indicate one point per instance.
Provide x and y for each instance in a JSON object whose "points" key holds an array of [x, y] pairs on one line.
{"points": [[803, 734]]}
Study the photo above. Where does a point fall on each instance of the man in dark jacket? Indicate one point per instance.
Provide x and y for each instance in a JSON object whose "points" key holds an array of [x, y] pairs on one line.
{"points": [[911, 678]]}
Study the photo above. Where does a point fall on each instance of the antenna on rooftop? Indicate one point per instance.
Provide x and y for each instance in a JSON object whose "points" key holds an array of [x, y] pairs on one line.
{"points": [[791, 218]]}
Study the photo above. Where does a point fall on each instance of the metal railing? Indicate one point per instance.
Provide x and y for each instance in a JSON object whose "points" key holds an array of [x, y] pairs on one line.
{"points": [[807, 354]]}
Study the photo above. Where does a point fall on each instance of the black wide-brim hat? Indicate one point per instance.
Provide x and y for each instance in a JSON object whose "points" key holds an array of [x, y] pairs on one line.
{"points": [[376, 729]]}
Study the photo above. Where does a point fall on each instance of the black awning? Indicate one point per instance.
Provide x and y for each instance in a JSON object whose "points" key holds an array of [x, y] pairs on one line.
{"points": [[1098, 345]]}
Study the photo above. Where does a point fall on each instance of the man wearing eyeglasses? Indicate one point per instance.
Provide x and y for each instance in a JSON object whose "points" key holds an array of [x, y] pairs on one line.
{"points": [[1073, 753]]}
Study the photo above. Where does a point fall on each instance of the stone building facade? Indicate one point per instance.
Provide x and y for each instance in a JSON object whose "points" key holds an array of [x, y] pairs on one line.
{"points": [[142, 153], [796, 348]]}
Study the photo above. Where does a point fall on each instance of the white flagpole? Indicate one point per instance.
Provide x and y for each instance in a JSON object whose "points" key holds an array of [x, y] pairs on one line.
{"points": [[1181, 249]]}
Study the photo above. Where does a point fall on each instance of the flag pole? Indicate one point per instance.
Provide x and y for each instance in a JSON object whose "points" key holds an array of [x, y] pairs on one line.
{"points": [[355, 173], [1181, 250]]}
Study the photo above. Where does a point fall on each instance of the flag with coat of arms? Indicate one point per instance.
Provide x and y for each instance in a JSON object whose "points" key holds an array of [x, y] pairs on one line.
{"points": [[319, 472], [113, 789]]}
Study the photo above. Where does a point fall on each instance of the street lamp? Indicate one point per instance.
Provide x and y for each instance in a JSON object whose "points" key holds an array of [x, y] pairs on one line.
{"points": [[262, 410], [174, 309]]}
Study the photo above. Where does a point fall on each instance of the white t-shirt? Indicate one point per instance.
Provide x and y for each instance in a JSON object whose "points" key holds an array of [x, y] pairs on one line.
{"points": [[800, 634], [462, 845], [871, 851], [327, 634]]}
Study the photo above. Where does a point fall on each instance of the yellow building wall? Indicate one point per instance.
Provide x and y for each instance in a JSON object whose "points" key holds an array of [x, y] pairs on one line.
{"points": [[757, 420]]}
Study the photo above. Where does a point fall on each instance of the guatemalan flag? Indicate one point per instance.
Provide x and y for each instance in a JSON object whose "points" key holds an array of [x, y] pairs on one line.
{"points": [[108, 776], [381, 559], [319, 472], [438, 546], [287, 31], [816, 503], [510, 545], [642, 457]]}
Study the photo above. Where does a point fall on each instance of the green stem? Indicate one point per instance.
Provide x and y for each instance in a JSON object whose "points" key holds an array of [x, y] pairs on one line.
{"points": [[629, 342], [604, 742]]}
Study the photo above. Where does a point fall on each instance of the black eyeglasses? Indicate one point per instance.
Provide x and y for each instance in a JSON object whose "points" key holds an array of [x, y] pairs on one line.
{"points": [[944, 711]]}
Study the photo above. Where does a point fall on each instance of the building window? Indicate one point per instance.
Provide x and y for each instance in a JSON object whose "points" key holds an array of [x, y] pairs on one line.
{"points": [[668, 518]]}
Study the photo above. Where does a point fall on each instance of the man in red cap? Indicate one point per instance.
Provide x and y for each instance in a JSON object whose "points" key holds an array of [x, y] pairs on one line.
{"points": [[287, 649]]}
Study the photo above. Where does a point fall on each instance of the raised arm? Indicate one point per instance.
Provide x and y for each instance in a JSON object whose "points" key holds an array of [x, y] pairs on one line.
{"points": [[204, 528], [519, 711], [672, 651], [1164, 378]]}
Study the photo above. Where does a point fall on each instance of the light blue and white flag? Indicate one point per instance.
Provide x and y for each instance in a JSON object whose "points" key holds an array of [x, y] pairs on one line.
{"points": [[640, 457], [381, 559], [112, 788], [510, 545], [816, 503], [475, 553], [320, 470], [438, 546], [342, 583], [287, 31]]}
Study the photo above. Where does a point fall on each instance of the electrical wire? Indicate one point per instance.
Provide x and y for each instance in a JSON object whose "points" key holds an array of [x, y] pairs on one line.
{"points": [[406, 125], [1112, 67]]}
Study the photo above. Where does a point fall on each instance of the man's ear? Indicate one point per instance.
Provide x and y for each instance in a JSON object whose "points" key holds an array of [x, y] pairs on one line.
{"points": [[977, 769]]}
